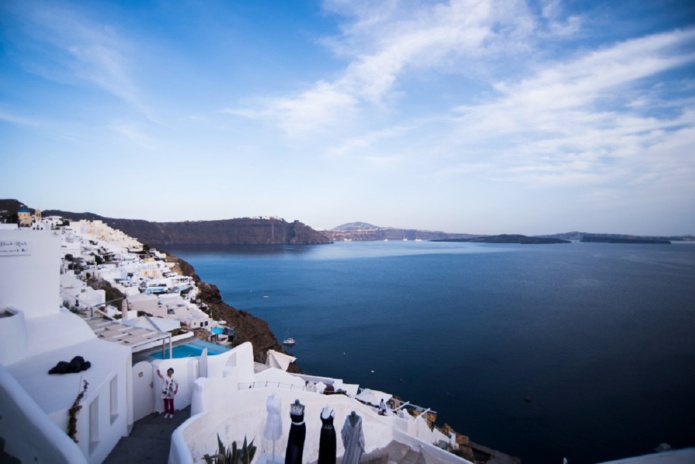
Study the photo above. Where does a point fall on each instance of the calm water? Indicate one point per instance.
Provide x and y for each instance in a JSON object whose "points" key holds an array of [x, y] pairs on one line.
{"points": [[190, 350], [600, 336]]}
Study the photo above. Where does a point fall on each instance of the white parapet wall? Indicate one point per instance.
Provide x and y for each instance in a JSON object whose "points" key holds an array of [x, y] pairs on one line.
{"points": [[13, 335]]}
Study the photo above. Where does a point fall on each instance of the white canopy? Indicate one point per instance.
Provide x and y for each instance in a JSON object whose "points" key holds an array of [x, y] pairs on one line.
{"points": [[279, 360], [373, 397], [159, 324]]}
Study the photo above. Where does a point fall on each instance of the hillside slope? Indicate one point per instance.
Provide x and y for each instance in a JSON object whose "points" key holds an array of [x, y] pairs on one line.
{"points": [[243, 231]]}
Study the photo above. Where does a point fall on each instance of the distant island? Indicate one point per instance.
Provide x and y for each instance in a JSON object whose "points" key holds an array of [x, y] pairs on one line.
{"points": [[364, 232], [507, 238], [639, 240], [620, 238]]}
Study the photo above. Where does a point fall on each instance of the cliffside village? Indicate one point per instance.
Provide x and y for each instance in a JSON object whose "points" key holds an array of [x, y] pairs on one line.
{"points": [[51, 316], [155, 297]]}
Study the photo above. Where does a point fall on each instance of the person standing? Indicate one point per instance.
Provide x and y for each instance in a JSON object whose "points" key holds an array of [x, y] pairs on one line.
{"points": [[169, 390]]}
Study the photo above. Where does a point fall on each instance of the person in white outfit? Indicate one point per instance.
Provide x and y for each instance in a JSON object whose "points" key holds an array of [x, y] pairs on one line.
{"points": [[169, 390]]}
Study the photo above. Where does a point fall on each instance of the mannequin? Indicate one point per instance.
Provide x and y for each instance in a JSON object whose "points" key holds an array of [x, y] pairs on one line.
{"points": [[273, 428], [295, 442], [353, 439], [327, 443]]}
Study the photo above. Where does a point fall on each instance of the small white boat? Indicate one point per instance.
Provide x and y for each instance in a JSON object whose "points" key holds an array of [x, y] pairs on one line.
{"points": [[289, 341]]}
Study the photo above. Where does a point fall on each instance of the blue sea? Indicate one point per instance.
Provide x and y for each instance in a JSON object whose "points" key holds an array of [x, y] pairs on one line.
{"points": [[582, 350]]}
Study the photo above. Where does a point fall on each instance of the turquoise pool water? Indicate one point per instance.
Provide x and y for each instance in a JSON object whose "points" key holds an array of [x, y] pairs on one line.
{"points": [[191, 350], [217, 330]]}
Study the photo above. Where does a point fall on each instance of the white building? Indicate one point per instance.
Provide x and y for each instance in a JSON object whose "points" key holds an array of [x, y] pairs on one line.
{"points": [[36, 333]]}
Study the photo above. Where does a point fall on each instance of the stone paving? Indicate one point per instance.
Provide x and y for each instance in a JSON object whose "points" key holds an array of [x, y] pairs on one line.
{"points": [[149, 441]]}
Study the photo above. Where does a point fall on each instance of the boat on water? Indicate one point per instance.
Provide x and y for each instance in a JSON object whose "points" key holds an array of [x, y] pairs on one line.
{"points": [[288, 341]]}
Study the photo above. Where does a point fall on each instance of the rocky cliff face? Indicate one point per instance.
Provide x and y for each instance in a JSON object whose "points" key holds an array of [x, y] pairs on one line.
{"points": [[243, 231]]}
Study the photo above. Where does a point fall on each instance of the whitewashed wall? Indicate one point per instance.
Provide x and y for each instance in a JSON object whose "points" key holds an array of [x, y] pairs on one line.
{"points": [[29, 434], [185, 373], [31, 281]]}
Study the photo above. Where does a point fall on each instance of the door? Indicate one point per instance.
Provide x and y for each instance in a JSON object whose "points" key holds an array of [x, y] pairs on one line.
{"points": [[143, 393]]}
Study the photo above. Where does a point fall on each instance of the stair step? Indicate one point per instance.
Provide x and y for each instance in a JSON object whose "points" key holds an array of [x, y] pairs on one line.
{"points": [[138, 449], [411, 457]]}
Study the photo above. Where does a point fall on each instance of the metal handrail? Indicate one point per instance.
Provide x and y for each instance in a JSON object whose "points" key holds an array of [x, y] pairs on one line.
{"points": [[267, 384]]}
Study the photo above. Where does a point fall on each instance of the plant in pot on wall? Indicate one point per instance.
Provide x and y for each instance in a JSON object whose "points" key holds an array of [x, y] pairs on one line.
{"points": [[232, 455]]}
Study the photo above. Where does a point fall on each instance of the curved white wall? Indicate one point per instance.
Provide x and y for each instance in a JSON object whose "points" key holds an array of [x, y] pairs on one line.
{"points": [[21, 417]]}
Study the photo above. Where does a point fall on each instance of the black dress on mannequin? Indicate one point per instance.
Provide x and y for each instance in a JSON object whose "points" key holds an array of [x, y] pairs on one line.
{"points": [[295, 442], [327, 443]]}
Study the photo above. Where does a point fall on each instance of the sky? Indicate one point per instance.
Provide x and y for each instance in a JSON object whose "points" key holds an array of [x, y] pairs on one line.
{"points": [[468, 116]]}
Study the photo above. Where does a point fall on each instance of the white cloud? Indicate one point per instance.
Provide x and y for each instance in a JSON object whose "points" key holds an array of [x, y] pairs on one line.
{"points": [[136, 136], [322, 105], [17, 119], [576, 122], [81, 49], [383, 40]]}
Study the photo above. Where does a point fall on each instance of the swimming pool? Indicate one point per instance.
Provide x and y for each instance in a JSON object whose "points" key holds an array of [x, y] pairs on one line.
{"points": [[217, 330], [191, 350]]}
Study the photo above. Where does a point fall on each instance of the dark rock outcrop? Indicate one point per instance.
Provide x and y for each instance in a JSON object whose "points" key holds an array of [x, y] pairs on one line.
{"points": [[639, 240], [509, 238]]}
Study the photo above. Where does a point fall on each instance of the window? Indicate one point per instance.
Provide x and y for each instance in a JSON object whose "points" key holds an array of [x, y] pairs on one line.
{"points": [[94, 424], [113, 393]]}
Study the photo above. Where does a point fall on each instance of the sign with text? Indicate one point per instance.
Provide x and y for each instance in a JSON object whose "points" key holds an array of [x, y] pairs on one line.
{"points": [[14, 247]]}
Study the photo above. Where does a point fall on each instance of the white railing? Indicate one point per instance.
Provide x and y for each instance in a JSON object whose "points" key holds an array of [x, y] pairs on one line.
{"points": [[270, 384]]}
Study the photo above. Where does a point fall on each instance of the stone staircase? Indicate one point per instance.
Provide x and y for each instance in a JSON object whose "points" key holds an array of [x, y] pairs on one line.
{"points": [[149, 441], [393, 453]]}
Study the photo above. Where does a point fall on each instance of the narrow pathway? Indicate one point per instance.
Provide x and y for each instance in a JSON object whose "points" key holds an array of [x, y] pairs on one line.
{"points": [[149, 441]]}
